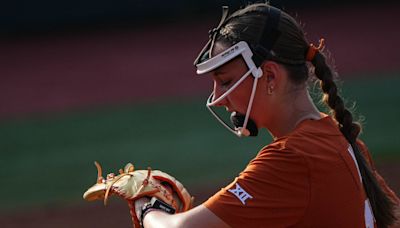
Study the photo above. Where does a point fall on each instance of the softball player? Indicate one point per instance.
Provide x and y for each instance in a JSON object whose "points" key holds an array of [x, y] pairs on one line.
{"points": [[315, 173]]}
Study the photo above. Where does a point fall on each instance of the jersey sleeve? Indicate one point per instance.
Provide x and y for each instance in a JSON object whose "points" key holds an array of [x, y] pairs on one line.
{"points": [[273, 191]]}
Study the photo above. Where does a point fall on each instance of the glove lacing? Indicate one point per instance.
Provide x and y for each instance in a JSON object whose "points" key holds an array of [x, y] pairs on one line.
{"points": [[127, 172]]}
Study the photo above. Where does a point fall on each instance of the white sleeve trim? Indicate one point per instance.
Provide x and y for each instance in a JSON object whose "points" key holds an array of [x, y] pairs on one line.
{"points": [[368, 214]]}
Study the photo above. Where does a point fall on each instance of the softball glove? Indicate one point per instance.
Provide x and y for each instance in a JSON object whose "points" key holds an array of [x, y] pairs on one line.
{"points": [[131, 185]]}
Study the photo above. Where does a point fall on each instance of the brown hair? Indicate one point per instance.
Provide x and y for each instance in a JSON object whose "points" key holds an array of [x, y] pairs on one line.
{"points": [[290, 50]]}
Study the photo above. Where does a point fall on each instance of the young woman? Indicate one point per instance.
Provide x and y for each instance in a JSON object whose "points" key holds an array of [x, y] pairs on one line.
{"points": [[315, 173]]}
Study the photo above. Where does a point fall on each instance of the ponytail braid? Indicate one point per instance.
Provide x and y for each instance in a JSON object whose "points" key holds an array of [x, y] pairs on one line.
{"points": [[382, 206]]}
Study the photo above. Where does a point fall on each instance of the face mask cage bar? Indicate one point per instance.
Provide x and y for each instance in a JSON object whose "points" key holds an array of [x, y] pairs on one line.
{"points": [[240, 49], [205, 53], [205, 63]]}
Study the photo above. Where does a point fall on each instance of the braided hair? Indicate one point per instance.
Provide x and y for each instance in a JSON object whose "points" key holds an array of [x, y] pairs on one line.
{"points": [[381, 205], [290, 50]]}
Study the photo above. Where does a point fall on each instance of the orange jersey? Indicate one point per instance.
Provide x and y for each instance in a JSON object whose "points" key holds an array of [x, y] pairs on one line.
{"points": [[305, 179]]}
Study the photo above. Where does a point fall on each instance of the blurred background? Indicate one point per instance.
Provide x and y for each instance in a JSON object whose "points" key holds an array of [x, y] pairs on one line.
{"points": [[113, 81]]}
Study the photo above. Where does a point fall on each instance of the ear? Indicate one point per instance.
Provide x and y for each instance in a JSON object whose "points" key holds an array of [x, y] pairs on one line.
{"points": [[272, 72]]}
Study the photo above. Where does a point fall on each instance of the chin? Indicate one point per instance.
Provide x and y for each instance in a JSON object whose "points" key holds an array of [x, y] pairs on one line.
{"points": [[237, 120]]}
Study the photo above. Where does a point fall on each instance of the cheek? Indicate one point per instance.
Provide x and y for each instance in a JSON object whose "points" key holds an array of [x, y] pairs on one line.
{"points": [[260, 103], [240, 97]]}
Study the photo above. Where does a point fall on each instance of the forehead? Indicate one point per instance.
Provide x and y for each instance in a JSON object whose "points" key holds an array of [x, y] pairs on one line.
{"points": [[217, 48]]}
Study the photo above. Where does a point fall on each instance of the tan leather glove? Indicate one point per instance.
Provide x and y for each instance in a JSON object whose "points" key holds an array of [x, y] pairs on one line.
{"points": [[132, 185]]}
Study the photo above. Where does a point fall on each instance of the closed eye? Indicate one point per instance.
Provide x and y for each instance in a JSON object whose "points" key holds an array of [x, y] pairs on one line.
{"points": [[227, 83]]}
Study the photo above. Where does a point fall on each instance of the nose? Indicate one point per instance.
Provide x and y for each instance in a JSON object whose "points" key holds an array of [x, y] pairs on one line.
{"points": [[218, 92]]}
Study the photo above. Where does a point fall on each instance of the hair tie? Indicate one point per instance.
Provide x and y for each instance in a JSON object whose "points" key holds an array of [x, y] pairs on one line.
{"points": [[312, 50]]}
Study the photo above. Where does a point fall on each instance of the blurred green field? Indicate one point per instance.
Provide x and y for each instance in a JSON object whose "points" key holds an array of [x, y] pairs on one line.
{"points": [[50, 159]]}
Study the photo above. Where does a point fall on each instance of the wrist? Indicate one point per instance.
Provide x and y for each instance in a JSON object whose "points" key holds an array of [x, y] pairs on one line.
{"points": [[155, 205]]}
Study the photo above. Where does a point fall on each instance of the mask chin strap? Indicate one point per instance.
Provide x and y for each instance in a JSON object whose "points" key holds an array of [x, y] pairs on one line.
{"points": [[238, 131]]}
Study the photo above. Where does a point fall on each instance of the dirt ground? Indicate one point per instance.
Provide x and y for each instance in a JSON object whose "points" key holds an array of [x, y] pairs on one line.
{"points": [[108, 66]]}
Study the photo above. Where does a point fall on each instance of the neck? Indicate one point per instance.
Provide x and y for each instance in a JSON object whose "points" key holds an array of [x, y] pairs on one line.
{"points": [[292, 111]]}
